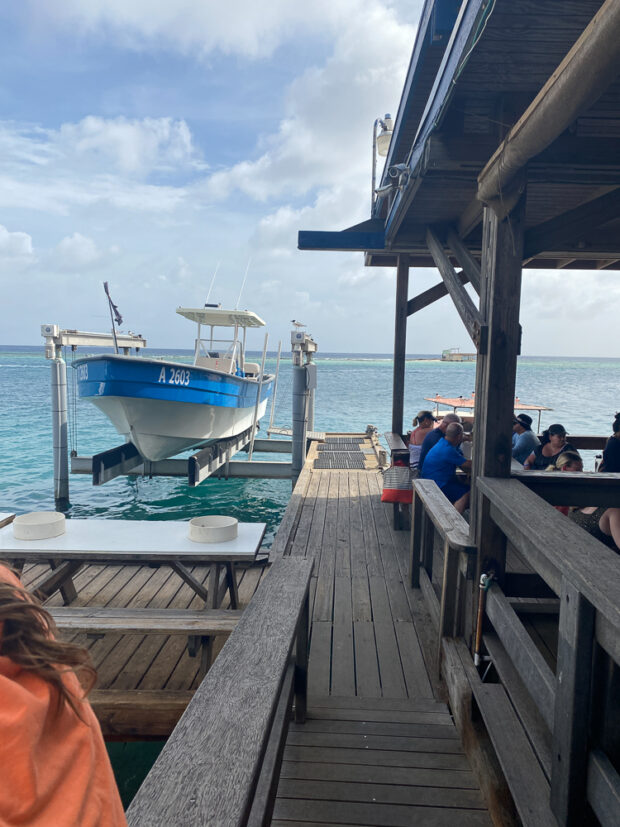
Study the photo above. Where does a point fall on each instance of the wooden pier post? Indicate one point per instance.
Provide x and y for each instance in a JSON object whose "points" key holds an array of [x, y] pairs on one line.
{"points": [[500, 295], [400, 343]]}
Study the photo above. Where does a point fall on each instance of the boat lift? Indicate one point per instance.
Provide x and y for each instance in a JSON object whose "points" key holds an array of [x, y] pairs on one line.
{"points": [[213, 459]]}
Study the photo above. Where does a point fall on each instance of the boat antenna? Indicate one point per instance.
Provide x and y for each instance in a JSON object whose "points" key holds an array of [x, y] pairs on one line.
{"points": [[243, 283], [114, 315], [213, 281]]}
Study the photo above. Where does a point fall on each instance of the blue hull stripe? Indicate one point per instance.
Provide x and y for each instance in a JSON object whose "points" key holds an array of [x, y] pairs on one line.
{"points": [[170, 381]]}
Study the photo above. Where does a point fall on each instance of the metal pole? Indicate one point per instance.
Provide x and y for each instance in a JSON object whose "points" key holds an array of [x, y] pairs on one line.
{"points": [[374, 164], [275, 390], [59, 432], [311, 393], [300, 423], [258, 393]]}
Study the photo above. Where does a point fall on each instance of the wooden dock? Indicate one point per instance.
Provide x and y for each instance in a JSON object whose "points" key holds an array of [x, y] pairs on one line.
{"points": [[379, 746]]}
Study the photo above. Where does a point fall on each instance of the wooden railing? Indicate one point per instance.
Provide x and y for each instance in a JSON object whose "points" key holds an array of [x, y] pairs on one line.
{"points": [[221, 763], [437, 526], [555, 730]]}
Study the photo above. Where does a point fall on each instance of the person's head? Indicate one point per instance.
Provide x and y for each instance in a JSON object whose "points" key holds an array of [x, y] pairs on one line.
{"points": [[616, 424], [26, 639], [567, 461], [555, 435], [454, 433], [424, 419], [449, 419], [522, 423]]}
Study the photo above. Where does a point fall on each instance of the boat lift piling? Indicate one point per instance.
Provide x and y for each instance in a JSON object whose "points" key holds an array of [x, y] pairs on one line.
{"points": [[304, 383], [55, 340]]}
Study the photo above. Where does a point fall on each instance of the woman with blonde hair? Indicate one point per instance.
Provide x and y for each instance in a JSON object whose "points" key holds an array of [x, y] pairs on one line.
{"points": [[425, 422], [567, 461], [54, 764]]}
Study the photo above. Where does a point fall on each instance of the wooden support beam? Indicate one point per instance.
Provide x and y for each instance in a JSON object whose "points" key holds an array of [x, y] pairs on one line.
{"points": [[500, 296], [438, 291], [400, 343], [466, 309], [465, 259], [573, 224]]}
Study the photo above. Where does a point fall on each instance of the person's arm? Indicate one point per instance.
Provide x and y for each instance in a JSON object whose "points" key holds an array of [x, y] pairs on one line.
{"points": [[529, 461], [466, 466]]}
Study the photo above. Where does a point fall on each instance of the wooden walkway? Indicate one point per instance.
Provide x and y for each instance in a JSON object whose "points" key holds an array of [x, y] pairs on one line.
{"points": [[379, 746]]}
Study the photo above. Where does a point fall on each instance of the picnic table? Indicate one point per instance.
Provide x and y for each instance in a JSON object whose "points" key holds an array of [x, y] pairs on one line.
{"points": [[130, 543]]}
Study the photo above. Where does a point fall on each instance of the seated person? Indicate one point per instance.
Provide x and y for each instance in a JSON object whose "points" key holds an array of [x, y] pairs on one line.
{"points": [[567, 461], [425, 422], [435, 435], [552, 444], [602, 523], [611, 454], [524, 440], [441, 463], [55, 767]]}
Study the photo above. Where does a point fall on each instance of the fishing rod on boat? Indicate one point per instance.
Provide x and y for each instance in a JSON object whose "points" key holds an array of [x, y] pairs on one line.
{"points": [[212, 282], [258, 396], [114, 315], [243, 283]]}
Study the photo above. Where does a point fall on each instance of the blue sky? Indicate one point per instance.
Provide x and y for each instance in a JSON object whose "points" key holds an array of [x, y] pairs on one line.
{"points": [[144, 142]]}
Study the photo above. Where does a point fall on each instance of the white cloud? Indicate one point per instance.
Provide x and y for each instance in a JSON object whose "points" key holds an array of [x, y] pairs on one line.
{"points": [[133, 147], [78, 253], [324, 139], [240, 27], [16, 250]]}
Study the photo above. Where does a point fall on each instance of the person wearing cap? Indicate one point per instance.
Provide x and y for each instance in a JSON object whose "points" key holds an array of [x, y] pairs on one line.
{"points": [[553, 443], [425, 422], [524, 440], [435, 435]]}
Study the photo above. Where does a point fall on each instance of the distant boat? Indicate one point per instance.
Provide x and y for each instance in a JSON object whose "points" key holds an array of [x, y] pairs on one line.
{"points": [[165, 406], [453, 354]]}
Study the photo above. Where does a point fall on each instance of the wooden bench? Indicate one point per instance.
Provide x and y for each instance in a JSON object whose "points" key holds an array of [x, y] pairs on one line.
{"points": [[221, 763], [433, 513], [199, 625]]}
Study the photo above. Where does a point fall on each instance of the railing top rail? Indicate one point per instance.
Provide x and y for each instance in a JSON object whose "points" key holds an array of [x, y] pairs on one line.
{"points": [[446, 519], [566, 550], [207, 772]]}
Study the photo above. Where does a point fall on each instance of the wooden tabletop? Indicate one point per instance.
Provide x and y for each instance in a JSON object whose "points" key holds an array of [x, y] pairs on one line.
{"points": [[132, 540]]}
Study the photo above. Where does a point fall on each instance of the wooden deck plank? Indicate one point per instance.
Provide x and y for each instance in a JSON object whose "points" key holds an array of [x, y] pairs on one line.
{"points": [[390, 668], [403, 716], [299, 546], [319, 672], [397, 729], [393, 705], [387, 814], [403, 776], [374, 565], [362, 606], [368, 681], [382, 743], [356, 531], [343, 657], [412, 660], [343, 541], [319, 754], [370, 793]]}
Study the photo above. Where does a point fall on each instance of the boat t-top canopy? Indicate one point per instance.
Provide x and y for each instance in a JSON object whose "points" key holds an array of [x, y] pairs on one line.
{"points": [[222, 318]]}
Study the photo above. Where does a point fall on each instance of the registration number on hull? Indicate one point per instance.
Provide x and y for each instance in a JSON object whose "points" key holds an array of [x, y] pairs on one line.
{"points": [[174, 376]]}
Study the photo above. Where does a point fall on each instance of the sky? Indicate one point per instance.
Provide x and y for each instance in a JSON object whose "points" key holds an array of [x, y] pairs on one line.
{"points": [[153, 144]]}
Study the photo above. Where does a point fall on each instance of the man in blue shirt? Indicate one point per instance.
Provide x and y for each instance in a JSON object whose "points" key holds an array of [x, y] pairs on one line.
{"points": [[435, 435], [441, 463], [524, 440]]}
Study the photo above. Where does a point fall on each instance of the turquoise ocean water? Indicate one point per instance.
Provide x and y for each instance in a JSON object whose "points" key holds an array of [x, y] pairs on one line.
{"points": [[354, 390]]}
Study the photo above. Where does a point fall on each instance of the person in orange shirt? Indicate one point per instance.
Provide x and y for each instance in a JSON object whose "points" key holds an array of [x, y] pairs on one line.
{"points": [[54, 767]]}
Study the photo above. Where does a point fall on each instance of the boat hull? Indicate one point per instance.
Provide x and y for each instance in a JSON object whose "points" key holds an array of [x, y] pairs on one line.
{"points": [[167, 407]]}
